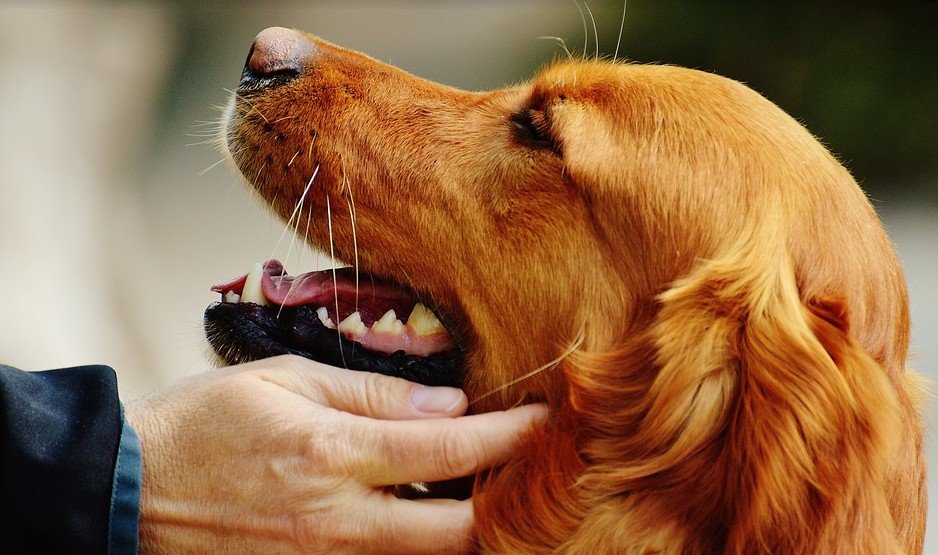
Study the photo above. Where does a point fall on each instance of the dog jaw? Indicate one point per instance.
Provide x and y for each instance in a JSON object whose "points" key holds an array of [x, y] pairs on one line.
{"points": [[488, 237]]}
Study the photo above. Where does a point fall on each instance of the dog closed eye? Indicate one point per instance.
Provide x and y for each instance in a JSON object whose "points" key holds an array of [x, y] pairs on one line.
{"points": [[533, 128]]}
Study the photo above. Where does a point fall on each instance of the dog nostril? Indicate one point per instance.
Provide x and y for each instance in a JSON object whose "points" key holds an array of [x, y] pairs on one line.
{"points": [[278, 52]]}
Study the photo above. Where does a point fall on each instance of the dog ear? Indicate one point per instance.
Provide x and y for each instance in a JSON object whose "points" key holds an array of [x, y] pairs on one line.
{"points": [[798, 421], [742, 419], [761, 426]]}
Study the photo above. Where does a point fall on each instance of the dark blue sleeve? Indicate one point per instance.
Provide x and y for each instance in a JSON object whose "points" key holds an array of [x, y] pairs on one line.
{"points": [[124, 525], [59, 436]]}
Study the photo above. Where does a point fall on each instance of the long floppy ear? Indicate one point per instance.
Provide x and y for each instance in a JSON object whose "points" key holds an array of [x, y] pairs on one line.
{"points": [[742, 420], [797, 420], [763, 426]]}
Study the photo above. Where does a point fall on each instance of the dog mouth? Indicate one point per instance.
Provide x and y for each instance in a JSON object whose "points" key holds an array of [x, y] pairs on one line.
{"points": [[338, 317]]}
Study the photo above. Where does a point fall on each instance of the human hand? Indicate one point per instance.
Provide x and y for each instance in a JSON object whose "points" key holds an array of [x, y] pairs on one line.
{"points": [[286, 454]]}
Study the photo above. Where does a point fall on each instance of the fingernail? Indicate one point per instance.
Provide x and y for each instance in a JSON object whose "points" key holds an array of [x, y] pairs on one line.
{"points": [[435, 399]]}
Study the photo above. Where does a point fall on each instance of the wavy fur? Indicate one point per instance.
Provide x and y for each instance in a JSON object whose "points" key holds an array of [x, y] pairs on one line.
{"points": [[739, 385]]}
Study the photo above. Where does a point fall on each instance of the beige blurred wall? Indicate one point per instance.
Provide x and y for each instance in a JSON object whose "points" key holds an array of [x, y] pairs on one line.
{"points": [[111, 232], [76, 102]]}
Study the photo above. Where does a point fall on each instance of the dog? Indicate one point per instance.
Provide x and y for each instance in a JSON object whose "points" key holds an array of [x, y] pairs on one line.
{"points": [[696, 287]]}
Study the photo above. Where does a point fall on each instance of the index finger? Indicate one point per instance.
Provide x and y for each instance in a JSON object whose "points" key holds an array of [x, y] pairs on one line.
{"points": [[401, 452]]}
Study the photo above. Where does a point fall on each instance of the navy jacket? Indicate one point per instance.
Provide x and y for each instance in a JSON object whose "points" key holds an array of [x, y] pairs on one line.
{"points": [[62, 435]]}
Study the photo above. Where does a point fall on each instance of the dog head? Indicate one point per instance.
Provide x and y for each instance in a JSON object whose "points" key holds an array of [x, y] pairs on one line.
{"points": [[699, 290]]}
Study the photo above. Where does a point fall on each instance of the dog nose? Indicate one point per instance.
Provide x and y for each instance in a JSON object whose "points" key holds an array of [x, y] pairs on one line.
{"points": [[277, 52]]}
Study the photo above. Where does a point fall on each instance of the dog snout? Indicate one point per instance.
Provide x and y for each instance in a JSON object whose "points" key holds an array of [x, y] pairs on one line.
{"points": [[277, 54]]}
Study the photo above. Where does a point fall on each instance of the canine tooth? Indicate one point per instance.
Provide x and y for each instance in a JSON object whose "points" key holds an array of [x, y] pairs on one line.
{"points": [[232, 297], [323, 314], [424, 322], [388, 323], [252, 292], [353, 325]]}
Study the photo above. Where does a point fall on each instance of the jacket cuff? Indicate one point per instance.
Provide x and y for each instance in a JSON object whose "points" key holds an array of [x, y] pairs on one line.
{"points": [[124, 518]]}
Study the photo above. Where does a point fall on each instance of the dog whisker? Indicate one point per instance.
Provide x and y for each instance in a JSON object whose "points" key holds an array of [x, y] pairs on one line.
{"points": [[248, 102], [521, 400], [294, 222], [346, 186], [296, 230], [562, 45], [335, 281], [543, 368], [306, 238], [351, 205], [206, 127], [296, 210], [625, 5], [256, 183], [413, 286], [309, 218], [208, 169], [595, 30], [585, 28], [208, 141]]}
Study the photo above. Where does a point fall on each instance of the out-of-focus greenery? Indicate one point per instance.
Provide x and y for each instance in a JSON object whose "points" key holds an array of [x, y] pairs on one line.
{"points": [[862, 76]]}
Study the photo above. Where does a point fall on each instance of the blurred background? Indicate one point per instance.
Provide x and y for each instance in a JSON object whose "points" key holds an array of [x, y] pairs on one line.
{"points": [[116, 218]]}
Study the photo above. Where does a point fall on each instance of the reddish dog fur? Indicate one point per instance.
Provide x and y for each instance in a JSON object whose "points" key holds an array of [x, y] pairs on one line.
{"points": [[734, 319]]}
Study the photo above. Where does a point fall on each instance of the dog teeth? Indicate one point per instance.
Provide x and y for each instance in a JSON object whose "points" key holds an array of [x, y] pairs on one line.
{"points": [[388, 324], [252, 292], [323, 314], [232, 297], [353, 325], [424, 322]]}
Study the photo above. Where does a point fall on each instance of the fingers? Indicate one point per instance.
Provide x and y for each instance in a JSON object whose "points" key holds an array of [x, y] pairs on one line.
{"points": [[437, 526], [433, 450], [395, 443], [386, 398], [381, 523], [362, 393]]}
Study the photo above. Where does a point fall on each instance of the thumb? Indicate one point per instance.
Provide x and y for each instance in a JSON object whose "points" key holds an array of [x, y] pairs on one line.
{"points": [[365, 393]]}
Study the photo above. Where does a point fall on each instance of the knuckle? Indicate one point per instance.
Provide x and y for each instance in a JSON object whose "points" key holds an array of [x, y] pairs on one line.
{"points": [[458, 454], [334, 529], [234, 386], [457, 539], [391, 532], [312, 532], [315, 452], [323, 450], [289, 362], [376, 393]]}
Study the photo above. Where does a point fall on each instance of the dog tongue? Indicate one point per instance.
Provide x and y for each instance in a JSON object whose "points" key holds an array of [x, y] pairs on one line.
{"points": [[322, 288], [342, 296]]}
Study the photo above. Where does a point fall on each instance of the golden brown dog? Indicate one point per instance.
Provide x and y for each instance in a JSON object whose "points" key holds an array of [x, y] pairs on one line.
{"points": [[725, 320]]}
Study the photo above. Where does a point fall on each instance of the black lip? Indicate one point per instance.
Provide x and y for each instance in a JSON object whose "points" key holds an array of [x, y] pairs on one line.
{"points": [[251, 84], [243, 332]]}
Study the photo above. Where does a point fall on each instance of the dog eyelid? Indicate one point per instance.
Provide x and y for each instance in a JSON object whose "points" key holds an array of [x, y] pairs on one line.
{"points": [[533, 128]]}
